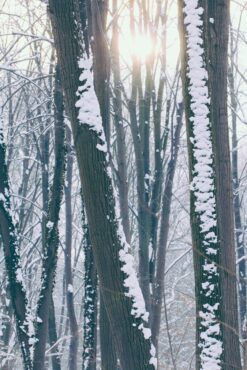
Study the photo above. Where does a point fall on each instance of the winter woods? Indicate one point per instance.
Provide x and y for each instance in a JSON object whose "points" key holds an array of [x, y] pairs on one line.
{"points": [[122, 202]]}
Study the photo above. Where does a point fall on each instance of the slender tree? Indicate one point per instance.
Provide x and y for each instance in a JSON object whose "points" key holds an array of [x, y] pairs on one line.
{"points": [[51, 232]]}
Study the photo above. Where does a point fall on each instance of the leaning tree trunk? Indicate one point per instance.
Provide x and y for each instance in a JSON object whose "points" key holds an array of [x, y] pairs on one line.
{"points": [[101, 68], [112, 258], [12, 261], [204, 40]]}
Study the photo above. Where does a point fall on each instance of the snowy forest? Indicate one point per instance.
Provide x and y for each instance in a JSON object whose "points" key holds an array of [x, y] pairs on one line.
{"points": [[123, 179]]}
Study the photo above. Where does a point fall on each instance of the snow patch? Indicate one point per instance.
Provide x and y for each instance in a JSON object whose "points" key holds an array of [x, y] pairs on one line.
{"points": [[89, 110], [202, 185]]}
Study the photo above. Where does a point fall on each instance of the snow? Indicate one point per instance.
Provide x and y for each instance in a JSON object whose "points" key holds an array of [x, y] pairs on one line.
{"points": [[89, 110], [70, 288], [89, 114], [49, 225], [19, 276], [202, 185]]}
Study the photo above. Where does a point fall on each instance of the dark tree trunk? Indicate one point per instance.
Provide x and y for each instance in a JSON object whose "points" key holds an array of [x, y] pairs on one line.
{"points": [[90, 304], [51, 233], [55, 359], [73, 348], [133, 348], [101, 68], [222, 278], [12, 261], [108, 361], [122, 180], [217, 42]]}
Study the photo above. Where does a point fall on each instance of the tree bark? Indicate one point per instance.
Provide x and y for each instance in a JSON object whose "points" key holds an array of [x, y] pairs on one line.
{"points": [[133, 348], [217, 39], [51, 234], [90, 305], [212, 62], [12, 261], [73, 347], [55, 358]]}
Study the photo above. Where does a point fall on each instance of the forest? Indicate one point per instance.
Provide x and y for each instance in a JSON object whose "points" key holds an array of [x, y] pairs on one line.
{"points": [[123, 179]]}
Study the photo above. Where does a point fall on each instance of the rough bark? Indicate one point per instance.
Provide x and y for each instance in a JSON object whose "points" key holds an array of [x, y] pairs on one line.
{"points": [[109, 361], [214, 28], [101, 69], [217, 39], [12, 260], [90, 305], [133, 349]]}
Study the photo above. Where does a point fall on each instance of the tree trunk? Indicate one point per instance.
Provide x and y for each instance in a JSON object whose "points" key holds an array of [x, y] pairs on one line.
{"points": [[133, 348], [12, 261], [51, 233], [239, 232], [217, 38], [159, 286], [204, 36], [122, 180], [73, 348], [90, 304], [55, 357]]}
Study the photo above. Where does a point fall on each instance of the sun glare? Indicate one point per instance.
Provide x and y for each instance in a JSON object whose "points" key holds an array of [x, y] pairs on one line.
{"points": [[139, 46]]}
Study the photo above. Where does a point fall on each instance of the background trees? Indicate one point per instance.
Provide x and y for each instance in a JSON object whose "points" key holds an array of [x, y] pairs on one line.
{"points": [[139, 42]]}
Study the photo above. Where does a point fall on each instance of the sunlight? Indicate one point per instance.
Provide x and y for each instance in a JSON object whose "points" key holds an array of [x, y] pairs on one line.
{"points": [[140, 46]]}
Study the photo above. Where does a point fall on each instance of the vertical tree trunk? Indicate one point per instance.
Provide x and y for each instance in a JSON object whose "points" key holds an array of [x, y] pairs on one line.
{"points": [[55, 359], [239, 233], [204, 36], [159, 285], [51, 233], [73, 348], [90, 306], [217, 43], [119, 125]]}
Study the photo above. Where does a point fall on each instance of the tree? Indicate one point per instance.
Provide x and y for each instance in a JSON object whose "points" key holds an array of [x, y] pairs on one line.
{"points": [[119, 287], [204, 60]]}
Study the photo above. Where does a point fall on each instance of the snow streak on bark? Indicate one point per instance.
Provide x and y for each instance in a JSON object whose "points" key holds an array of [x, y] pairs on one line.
{"points": [[89, 113], [90, 305], [203, 189]]}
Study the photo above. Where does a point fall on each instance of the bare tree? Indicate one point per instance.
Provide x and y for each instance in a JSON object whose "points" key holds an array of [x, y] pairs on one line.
{"points": [[204, 60], [98, 193]]}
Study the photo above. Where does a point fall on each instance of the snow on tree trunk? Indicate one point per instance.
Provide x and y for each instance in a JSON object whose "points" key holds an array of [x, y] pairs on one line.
{"points": [[203, 193], [13, 264], [121, 292]]}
